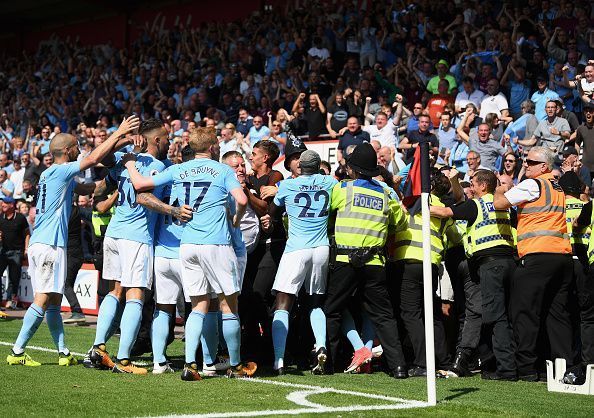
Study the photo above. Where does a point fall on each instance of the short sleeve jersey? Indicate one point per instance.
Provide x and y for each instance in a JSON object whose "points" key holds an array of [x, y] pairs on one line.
{"points": [[131, 220], [307, 200], [236, 235], [169, 229], [54, 204], [204, 185]]}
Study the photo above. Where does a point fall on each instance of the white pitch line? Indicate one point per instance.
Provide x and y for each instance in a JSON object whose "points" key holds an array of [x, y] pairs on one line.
{"points": [[47, 350], [300, 398], [299, 411], [297, 397], [330, 389]]}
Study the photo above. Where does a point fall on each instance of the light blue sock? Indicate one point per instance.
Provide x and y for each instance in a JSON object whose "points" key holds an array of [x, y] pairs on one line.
{"points": [[280, 329], [317, 318], [210, 337], [56, 327], [367, 330], [222, 341], [193, 331], [33, 318], [105, 318], [115, 325], [232, 333], [129, 327], [350, 330], [159, 334]]}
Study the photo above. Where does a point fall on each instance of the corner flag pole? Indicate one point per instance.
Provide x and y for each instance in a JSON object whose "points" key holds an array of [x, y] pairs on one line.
{"points": [[427, 275]]}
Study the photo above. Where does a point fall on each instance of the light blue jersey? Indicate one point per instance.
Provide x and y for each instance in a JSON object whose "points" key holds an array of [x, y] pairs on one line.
{"points": [[236, 236], [169, 229], [54, 204], [131, 220], [306, 199], [204, 185]]}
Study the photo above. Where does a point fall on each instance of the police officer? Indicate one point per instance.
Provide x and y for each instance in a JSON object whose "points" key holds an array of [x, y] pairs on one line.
{"points": [[490, 246], [540, 286], [364, 212], [408, 280], [578, 236], [584, 284]]}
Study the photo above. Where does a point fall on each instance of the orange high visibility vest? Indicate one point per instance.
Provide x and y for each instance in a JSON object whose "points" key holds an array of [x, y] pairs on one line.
{"points": [[542, 227]]}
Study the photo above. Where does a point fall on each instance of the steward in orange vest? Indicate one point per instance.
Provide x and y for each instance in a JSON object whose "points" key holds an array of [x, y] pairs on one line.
{"points": [[540, 286]]}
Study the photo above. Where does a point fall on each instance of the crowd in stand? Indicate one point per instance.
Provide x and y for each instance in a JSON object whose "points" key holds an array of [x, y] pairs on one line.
{"points": [[483, 83]]}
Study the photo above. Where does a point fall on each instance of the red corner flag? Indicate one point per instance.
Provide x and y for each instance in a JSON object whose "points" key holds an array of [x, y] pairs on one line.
{"points": [[412, 186]]}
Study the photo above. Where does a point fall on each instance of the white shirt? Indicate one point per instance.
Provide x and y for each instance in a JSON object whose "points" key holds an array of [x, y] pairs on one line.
{"points": [[250, 228], [321, 53], [385, 136], [463, 98], [588, 88], [17, 178], [525, 191], [493, 104]]}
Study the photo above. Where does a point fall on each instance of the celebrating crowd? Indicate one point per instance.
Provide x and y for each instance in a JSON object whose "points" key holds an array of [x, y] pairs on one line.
{"points": [[502, 94]]}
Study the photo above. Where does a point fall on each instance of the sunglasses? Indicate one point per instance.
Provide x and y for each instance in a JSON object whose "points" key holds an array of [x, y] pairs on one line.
{"points": [[510, 161], [533, 162]]}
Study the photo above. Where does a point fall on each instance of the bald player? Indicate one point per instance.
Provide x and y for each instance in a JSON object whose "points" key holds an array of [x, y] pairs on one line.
{"points": [[47, 247]]}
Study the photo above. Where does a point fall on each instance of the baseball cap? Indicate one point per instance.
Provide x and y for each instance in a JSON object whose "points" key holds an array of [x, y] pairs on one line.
{"points": [[569, 150], [7, 199], [441, 62], [541, 77]]}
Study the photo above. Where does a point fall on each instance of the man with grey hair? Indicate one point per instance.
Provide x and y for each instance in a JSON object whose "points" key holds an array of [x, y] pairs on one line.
{"points": [[305, 260], [540, 286]]}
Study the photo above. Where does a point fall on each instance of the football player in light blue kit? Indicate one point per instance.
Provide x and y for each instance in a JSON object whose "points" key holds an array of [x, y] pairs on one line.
{"points": [[168, 281], [208, 261], [47, 246], [128, 250], [305, 260]]}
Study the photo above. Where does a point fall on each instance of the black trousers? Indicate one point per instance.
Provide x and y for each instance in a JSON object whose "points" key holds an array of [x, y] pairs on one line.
{"points": [[495, 277], [539, 296], [256, 301], [73, 265], [13, 259], [370, 282], [409, 285], [457, 267], [473, 322], [585, 292]]}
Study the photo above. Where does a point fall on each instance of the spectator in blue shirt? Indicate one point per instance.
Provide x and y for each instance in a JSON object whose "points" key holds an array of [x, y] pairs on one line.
{"points": [[541, 97], [257, 132], [6, 186]]}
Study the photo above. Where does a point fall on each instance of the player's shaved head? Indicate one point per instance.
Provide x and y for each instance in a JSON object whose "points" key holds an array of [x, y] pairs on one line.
{"points": [[59, 144], [231, 154]]}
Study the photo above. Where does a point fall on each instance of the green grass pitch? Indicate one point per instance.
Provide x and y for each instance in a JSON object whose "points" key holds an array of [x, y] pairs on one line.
{"points": [[50, 390]]}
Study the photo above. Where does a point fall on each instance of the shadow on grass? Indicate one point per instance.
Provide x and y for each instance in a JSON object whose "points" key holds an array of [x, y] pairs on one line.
{"points": [[270, 372], [8, 319], [459, 392]]}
